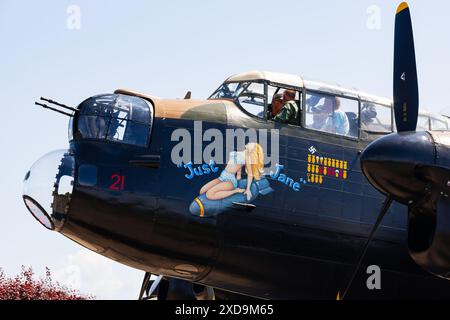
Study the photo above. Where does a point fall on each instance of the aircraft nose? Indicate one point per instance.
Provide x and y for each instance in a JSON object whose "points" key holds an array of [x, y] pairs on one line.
{"points": [[47, 188], [389, 163]]}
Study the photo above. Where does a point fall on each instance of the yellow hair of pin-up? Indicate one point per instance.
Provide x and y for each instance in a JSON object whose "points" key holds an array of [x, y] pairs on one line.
{"points": [[254, 160]]}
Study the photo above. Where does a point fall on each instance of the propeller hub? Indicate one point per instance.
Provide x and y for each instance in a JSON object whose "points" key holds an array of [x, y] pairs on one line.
{"points": [[390, 163]]}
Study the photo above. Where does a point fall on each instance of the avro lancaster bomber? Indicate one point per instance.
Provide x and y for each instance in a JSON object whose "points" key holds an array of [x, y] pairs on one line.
{"points": [[275, 187]]}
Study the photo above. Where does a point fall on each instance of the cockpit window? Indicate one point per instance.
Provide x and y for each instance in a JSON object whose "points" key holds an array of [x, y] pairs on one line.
{"points": [[332, 114], [252, 99], [376, 118], [439, 124], [248, 95], [230, 90], [115, 117], [423, 123]]}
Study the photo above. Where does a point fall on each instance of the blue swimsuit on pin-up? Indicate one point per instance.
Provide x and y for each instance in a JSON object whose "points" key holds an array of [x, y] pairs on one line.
{"points": [[236, 158]]}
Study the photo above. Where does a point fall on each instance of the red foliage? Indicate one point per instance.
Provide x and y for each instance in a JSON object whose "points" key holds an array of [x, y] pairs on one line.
{"points": [[25, 287]]}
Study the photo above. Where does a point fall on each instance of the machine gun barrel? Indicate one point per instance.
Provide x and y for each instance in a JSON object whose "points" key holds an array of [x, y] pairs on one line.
{"points": [[58, 104], [53, 109]]}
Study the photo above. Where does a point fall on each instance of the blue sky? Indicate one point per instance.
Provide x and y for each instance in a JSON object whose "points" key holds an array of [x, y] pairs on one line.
{"points": [[166, 48]]}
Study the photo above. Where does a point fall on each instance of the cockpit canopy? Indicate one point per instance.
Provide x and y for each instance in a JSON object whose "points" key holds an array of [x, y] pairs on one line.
{"points": [[114, 117], [350, 113]]}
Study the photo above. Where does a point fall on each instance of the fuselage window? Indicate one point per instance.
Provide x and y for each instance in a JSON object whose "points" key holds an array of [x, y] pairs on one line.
{"points": [[376, 118], [332, 114], [117, 118]]}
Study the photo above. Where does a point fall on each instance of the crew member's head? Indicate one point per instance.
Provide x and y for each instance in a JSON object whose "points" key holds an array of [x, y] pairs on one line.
{"points": [[277, 104], [332, 104], [320, 116], [288, 95]]}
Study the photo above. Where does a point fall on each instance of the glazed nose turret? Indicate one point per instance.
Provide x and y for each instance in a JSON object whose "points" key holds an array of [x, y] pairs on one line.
{"points": [[47, 188]]}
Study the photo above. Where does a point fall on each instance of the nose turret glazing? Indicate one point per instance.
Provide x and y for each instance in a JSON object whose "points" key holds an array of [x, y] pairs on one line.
{"points": [[48, 187]]}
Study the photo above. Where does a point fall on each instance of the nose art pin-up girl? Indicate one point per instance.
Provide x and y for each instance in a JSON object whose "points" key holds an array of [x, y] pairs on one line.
{"points": [[252, 158]]}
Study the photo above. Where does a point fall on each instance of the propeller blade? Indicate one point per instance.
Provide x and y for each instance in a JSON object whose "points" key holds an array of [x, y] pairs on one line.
{"points": [[154, 285], [384, 210], [406, 90], [144, 286], [163, 290]]}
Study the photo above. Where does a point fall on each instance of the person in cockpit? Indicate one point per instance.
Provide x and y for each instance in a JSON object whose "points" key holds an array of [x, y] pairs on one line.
{"points": [[368, 115], [337, 122], [320, 116], [252, 158], [289, 112], [274, 108], [277, 104]]}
